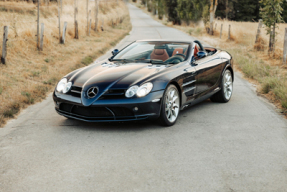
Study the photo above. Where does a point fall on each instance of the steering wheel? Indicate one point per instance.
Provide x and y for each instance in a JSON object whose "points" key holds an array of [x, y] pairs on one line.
{"points": [[177, 58], [180, 55]]}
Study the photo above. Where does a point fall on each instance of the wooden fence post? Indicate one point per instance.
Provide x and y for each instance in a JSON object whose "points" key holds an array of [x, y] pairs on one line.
{"points": [[38, 22], [90, 24], [96, 15], [285, 48], [102, 27], [4, 48], [229, 32], [59, 20], [64, 32], [61, 6], [42, 37], [75, 20], [258, 30], [87, 9], [221, 30]]}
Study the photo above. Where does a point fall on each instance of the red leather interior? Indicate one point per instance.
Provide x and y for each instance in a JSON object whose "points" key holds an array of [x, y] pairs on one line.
{"points": [[160, 54], [177, 51], [195, 51]]}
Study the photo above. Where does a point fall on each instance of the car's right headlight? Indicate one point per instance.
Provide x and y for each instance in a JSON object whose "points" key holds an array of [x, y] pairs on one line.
{"points": [[144, 89], [132, 91], [64, 86]]}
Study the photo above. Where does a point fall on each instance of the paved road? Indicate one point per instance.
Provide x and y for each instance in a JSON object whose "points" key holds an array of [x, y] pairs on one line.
{"points": [[239, 146]]}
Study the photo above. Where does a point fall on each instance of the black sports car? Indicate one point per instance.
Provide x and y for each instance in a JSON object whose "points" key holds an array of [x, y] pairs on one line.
{"points": [[148, 79]]}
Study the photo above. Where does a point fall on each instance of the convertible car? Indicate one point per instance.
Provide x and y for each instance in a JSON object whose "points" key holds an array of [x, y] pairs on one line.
{"points": [[148, 79]]}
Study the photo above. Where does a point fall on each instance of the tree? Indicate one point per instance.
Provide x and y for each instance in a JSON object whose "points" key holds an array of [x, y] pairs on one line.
{"points": [[238, 10], [284, 13], [191, 10], [246, 10], [172, 11], [212, 10], [271, 14]]}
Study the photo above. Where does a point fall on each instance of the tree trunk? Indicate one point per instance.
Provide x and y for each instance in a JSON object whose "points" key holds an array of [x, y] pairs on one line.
{"points": [[227, 9], [273, 38], [212, 11]]}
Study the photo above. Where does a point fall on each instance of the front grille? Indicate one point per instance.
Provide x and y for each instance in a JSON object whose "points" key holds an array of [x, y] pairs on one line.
{"points": [[113, 94], [110, 94], [96, 112], [92, 111], [75, 91], [121, 111]]}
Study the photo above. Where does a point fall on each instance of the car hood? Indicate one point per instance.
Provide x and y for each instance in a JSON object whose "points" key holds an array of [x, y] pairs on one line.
{"points": [[108, 75]]}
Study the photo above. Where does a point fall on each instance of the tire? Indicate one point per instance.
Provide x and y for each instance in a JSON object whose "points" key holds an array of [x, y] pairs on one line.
{"points": [[226, 85], [170, 106]]}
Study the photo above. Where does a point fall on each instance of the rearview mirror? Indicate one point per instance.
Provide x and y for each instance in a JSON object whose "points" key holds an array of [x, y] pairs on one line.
{"points": [[115, 51], [201, 54]]}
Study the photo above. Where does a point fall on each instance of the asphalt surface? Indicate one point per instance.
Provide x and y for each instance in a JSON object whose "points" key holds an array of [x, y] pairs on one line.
{"points": [[238, 146]]}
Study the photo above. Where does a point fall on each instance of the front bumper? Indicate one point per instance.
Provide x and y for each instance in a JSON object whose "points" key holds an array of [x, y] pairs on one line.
{"points": [[128, 109]]}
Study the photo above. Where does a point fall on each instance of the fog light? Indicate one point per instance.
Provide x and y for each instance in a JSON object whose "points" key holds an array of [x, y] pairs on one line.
{"points": [[136, 109]]}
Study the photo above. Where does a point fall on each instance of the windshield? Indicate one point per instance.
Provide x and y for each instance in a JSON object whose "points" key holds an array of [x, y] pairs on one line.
{"points": [[154, 52]]}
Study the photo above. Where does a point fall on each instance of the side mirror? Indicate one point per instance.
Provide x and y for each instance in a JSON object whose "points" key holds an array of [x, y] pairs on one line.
{"points": [[115, 51], [201, 54]]}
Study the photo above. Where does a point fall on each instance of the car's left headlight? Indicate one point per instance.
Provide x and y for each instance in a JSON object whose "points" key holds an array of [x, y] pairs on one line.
{"points": [[144, 89], [64, 86]]}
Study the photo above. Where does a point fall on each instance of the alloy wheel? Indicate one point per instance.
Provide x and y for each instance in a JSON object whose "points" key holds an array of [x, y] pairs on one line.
{"points": [[228, 85], [172, 104]]}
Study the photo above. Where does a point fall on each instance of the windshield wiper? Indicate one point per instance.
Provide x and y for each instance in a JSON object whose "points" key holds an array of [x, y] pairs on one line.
{"points": [[153, 61], [124, 60]]}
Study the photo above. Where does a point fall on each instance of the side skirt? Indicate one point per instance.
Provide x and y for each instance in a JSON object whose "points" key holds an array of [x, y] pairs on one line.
{"points": [[198, 100]]}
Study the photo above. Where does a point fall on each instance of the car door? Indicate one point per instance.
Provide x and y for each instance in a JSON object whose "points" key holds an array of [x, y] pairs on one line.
{"points": [[188, 83], [208, 72]]}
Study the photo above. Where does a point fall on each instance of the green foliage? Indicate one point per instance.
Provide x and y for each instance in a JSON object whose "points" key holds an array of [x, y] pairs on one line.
{"points": [[271, 13], [172, 13], [205, 14], [191, 10], [284, 13], [243, 10], [161, 8]]}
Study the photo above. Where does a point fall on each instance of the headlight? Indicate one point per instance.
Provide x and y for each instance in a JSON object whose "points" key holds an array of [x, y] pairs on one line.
{"points": [[64, 86], [144, 89], [131, 91]]}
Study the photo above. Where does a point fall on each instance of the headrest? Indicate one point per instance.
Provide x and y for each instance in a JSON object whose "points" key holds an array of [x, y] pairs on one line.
{"points": [[160, 47], [159, 51]]}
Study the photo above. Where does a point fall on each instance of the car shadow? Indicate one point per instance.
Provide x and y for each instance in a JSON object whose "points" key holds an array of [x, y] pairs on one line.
{"points": [[131, 125]]}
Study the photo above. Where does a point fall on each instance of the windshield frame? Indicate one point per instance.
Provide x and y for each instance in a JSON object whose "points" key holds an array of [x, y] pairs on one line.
{"points": [[189, 48]]}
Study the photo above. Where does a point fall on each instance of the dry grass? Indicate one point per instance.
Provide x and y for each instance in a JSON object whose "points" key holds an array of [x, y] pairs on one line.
{"points": [[29, 75]]}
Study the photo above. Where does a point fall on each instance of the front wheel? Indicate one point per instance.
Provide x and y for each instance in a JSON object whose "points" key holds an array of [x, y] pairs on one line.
{"points": [[224, 95], [170, 106]]}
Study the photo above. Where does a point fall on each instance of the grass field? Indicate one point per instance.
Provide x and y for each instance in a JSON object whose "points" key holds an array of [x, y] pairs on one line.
{"points": [[29, 74]]}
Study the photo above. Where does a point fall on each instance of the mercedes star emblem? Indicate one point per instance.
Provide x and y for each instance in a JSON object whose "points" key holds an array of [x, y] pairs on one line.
{"points": [[92, 92]]}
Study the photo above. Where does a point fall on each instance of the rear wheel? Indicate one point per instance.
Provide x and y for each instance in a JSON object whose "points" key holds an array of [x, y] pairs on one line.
{"points": [[170, 106], [224, 95]]}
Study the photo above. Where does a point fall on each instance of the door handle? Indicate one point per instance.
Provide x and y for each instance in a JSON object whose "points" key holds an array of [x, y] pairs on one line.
{"points": [[190, 70]]}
